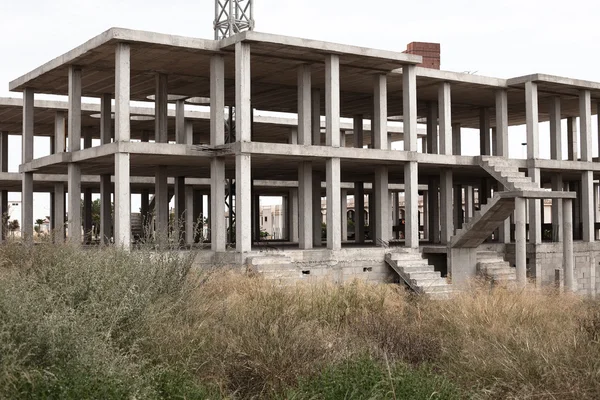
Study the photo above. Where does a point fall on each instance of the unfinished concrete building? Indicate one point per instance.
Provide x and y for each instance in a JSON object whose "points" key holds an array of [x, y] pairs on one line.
{"points": [[500, 235]]}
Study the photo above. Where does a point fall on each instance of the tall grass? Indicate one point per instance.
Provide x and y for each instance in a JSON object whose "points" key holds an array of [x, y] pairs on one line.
{"points": [[108, 324]]}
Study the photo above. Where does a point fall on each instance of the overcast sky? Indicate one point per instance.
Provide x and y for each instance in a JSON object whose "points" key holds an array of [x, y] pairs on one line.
{"points": [[503, 39]]}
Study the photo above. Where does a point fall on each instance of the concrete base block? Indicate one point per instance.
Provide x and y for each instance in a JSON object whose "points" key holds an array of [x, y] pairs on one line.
{"points": [[462, 265]]}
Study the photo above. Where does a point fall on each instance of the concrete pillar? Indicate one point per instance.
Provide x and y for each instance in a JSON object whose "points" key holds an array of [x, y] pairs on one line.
{"points": [[199, 216], [180, 128], [359, 212], [557, 209], [305, 137], [555, 129], [74, 170], [304, 105], [432, 128], [334, 228], [105, 209], [180, 209], [189, 132], [395, 212], [596, 209], [218, 229], [189, 215], [433, 211], [535, 211], [575, 186], [456, 139], [332, 100], [106, 118], [447, 225], [426, 219], [379, 122], [568, 261], [572, 146], [501, 143], [445, 118], [242, 101], [316, 117], [59, 212], [344, 214], [469, 203], [411, 199], [293, 215], [521, 241], [409, 103], [531, 115], [587, 205], [382, 207], [457, 215], [485, 145], [305, 204], [4, 193], [87, 215], [161, 109], [585, 123], [60, 128], [317, 217], [122, 230]]}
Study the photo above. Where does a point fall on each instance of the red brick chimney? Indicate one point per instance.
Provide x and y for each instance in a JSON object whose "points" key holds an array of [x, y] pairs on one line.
{"points": [[429, 51]]}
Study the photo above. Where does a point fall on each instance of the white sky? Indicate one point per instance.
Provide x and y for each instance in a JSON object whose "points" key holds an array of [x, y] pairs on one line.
{"points": [[502, 39]]}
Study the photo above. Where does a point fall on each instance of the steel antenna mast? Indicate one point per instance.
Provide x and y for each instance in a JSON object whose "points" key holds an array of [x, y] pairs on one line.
{"points": [[233, 16]]}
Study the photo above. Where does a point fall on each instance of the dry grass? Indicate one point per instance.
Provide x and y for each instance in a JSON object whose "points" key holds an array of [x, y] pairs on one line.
{"points": [[146, 326]]}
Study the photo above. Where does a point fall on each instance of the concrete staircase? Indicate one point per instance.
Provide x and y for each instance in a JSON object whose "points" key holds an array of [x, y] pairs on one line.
{"points": [[416, 272], [492, 266], [505, 172]]}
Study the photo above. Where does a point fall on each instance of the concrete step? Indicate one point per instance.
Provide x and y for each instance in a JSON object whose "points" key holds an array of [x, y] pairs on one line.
{"points": [[416, 268], [424, 275], [406, 257]]}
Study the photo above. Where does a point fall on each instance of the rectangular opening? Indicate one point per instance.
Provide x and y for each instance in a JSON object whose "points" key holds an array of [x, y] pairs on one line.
{"points": [[368, 269], [307, 272]]}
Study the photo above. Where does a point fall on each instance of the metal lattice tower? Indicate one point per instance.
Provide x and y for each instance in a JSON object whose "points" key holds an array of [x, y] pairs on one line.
{"points": [[232, 16]]}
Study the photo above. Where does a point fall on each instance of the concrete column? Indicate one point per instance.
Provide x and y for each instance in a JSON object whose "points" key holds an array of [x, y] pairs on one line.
{"points": [[395, 212], [485, 145], [74, 170], [382, 207], [218, 229], [122, 230], [305, 200], [87, 215], [359, 212], [304, 105], [596, 209], [411, 200], [180, 128], [575, 186], [293, 215], [501, 143], [379, 122], [243, 212], [568, 260], [27, 148], [316, 208], [4, 193], [555, 130], [447, 225], [334, 228], [242, 104], [531, 115], [409, 103], [332, 100], [60, 127], [535, 211], [585, 123], [344, 214], [161, 109], [521, 241], [105, 209], [445, 118], [199, 216], [59, 212], [161, 205], [457, 215], [316, 117], [587, 205], [105, 118], [433, 212], [456, 139], [572, 146], [189, 133], [426, 219], [494, 147], [469, 203], [557, 209], [180, 209], [189, 215], [432, 128]]}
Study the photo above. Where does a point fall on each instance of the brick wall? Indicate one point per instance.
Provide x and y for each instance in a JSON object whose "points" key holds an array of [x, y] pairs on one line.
{"points": [[429, 51]]}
